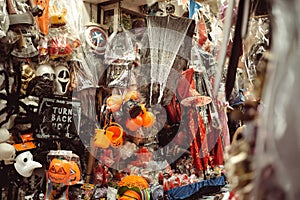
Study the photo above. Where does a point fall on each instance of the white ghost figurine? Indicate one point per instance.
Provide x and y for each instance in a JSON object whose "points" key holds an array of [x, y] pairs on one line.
{"points": [[25, 165]]}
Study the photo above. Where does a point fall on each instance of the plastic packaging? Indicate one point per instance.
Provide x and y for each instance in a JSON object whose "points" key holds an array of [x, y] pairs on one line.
{"points": [[4, 19], [278, 138]]}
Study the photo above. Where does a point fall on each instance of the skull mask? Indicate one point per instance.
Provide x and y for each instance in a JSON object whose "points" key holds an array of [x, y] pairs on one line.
{"points": [[46, 71], [170, 9], [62, 79]]}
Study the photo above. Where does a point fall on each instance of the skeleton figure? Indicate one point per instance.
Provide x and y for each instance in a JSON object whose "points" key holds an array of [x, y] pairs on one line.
{"points": [[170, 9], [62, 80]]}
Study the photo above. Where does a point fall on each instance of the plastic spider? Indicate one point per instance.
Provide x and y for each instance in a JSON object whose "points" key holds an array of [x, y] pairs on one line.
{"points": [[11, 105]]}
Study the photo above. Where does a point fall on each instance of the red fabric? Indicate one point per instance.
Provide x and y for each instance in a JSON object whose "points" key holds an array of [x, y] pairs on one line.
{"points": [[202, 33]]}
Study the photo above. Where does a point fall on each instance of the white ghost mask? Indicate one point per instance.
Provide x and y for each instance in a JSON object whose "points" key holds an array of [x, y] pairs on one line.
{"points": [[25, 165], [62, 79]]}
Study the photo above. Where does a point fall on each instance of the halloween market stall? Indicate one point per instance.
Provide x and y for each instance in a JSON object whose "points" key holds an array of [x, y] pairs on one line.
{"points": [[153, 100]]}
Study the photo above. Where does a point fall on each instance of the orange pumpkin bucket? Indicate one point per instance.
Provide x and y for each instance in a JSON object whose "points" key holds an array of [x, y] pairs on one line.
{"points": [[117, 138]]}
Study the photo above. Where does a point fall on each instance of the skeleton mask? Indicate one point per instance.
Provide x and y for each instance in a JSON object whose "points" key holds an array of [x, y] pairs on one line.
{"points": [[170, 9], [25, 164], [46, 71], [7, 152], [27, 75], [62, 79]]}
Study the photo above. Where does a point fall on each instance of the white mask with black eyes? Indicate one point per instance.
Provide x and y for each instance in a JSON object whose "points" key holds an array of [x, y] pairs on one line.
{"points": [[62, 79], [25, 165]]}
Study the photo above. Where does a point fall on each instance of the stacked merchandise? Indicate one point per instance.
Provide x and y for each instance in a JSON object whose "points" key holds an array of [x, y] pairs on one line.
{"points": [[131, 115]]}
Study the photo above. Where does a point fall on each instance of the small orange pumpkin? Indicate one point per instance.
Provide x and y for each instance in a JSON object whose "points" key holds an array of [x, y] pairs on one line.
{"points": [[59, 170], [134, 124], [148, 119], [134, 95], [114, 102]]}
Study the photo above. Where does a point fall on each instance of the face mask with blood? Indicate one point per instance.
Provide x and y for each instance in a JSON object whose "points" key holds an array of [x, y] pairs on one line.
{"points": [[62, 79]]}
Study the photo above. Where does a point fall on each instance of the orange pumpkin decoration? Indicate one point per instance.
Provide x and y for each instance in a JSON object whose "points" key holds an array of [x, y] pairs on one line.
{"points": [[114, 102], [130, 195], [117, 138], [74, 173], [134, 95], [59, 171], [134, 124], [148, 119]]}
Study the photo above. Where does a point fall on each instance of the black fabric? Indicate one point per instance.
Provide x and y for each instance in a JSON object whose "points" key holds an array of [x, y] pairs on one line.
{"points": [[235, 52]]}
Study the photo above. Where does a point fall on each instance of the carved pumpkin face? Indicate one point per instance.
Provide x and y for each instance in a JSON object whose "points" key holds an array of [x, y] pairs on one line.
{"points": [[59, 170], [74, 173]]}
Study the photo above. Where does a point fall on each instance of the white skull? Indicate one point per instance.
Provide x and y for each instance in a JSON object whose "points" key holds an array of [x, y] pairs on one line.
{"points": [[29, 197], [46, 71], [170, 9], [62, 79], [25, 164], [7, 152]]}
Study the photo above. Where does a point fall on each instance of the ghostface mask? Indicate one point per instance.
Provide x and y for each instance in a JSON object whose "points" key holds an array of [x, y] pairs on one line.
{"points": [[62, 79]]}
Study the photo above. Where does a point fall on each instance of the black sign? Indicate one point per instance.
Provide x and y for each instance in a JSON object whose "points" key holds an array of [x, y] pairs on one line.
{"points": [[59, 118]]}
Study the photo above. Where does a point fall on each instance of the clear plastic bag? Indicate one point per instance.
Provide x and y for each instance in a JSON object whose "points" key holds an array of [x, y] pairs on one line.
{"points": [[278, 140], [4, 20]]}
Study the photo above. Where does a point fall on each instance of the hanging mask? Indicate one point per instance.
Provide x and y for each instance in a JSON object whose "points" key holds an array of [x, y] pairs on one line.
{"points": [[25, 164], [7, 152], [27, 75], [46, 71], [62, 79]]}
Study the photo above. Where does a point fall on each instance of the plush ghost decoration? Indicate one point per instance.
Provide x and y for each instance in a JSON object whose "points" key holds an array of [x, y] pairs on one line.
{"points": [[62, 79], [25, 164]]}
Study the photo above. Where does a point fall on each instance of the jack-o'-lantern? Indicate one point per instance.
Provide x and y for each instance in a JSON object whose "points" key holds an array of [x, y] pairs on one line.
{"points": [[117, 137], [74, 173], [114, 102], [59, 170], [148, 119], [134, 95]]}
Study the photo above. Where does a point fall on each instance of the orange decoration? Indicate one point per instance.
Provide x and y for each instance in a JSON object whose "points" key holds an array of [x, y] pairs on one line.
{"points": [[59, 170], [134, 95], [134, 123], [114, 102], [134, 181], [144, 109], [117, 137], [102, 138], [74, 174], [148, 119], [130, 195], [43, 21]]}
